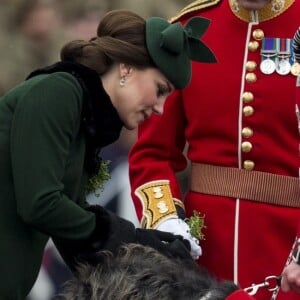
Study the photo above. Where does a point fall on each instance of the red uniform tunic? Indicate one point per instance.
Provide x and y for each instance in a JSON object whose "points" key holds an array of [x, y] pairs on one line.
{"points": [[222, 108]]}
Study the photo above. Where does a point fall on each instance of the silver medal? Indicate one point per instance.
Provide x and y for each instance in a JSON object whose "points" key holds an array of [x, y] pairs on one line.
{"points": [[267, 66], [283, 67]]}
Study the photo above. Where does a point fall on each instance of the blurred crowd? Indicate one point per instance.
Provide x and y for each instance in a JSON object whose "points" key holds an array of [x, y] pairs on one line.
{"points": [[32, 34], [33, 31]]}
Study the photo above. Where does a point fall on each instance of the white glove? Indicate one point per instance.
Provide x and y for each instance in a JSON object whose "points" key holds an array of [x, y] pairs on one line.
{"points": [[179, 227]]}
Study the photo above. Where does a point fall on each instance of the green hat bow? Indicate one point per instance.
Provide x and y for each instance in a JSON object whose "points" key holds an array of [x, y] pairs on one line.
{"points": [[173, 46]]}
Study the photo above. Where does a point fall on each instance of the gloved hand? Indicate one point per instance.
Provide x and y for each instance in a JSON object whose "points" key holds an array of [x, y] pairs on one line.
{"points": [[179, 227], [111, 232], [168, 244], [122, 231]]}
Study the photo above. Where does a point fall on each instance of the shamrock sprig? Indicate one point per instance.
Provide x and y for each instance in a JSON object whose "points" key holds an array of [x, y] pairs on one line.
{"points": [[96, 183], [196, 224]]}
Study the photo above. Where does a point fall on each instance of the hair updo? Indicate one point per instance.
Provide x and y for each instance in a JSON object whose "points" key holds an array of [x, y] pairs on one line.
{"points": [[120, 38]]}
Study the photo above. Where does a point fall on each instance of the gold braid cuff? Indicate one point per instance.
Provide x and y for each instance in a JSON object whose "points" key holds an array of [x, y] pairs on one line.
{"points": [[157, 201]]}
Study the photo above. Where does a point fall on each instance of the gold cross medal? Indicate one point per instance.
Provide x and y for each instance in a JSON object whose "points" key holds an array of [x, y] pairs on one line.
{"points": [[295, 69]]}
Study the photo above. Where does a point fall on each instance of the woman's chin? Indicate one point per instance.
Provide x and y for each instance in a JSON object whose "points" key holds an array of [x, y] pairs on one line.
{"points": [[131, 126]]}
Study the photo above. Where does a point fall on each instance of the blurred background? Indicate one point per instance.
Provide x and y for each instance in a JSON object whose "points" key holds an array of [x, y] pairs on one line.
{"points": [[32, 33]]}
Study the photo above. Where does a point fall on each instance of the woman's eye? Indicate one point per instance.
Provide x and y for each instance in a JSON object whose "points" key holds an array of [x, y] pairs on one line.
{"points": [[162, 90]]}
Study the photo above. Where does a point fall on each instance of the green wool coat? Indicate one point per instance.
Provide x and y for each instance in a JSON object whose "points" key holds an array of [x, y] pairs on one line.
{"points": [[42, 150]]}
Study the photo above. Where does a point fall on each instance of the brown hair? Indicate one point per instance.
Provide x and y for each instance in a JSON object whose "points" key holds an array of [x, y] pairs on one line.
{"points": [[120, 38]]}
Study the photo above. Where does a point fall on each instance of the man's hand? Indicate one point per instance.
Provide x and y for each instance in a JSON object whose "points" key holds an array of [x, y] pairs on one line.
{"points": [[291, 278], [179, 227]]}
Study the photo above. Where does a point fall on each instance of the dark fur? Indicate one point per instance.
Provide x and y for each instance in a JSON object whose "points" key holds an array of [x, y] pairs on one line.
{"points": [[142, 273]]}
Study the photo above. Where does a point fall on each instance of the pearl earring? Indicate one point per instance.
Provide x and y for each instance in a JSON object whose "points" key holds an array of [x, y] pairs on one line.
{"points": [[122, 81]]}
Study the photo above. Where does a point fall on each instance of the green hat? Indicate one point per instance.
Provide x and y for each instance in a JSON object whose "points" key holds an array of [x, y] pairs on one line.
{"points": [[172, 47]]}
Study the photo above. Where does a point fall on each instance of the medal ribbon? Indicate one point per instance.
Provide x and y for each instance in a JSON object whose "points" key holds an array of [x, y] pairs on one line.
{"points": [[284, 60], [284, 47], [269, 48], [296, 45], [269, 45]]}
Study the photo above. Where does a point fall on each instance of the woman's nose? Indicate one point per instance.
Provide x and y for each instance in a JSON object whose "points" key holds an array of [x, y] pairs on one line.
{"points": [[158, 108]]}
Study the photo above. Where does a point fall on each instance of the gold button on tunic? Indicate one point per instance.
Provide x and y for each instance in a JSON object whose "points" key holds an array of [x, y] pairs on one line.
{"points": [[253, 46], [258, 34], [251, 77], [251, 66], [248, 165], [246, 147], [248, 111], [247, 132], [247, 97]]}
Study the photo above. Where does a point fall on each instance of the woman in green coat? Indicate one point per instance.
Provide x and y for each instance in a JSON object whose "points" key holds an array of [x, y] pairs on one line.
{"points": [[53, 126]]}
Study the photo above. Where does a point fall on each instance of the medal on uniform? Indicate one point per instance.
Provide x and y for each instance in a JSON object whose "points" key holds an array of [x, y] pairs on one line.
{"points": [[267, 66], [283, 65], [268, 55], [295, 68]]}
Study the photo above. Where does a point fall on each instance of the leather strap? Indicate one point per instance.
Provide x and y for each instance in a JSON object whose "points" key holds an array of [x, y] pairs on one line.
{"points": [[242, 184]]}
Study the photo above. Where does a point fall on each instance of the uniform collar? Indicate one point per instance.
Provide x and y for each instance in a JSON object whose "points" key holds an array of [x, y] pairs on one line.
{"points": [[270, 11]]}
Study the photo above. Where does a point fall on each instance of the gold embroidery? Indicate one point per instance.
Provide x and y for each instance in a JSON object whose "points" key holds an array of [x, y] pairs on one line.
{"points": [[162, 207], [194, 6], [270, 11], [158, 204]]}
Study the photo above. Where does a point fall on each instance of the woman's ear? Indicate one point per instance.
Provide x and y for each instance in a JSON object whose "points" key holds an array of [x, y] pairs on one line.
{"points": [[125, 70]]}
